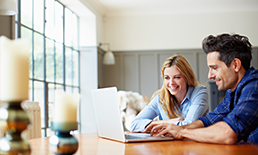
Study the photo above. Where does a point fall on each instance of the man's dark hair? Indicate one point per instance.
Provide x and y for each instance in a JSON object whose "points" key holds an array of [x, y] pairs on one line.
{"points": [[229, 48]]}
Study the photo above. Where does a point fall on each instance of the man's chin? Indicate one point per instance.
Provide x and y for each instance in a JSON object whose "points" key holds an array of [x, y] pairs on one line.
{"points": [[221, 89]]}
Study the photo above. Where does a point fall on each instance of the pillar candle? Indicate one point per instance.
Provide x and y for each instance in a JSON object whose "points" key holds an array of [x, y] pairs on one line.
{"points": [[65, 107], [14, 69]]}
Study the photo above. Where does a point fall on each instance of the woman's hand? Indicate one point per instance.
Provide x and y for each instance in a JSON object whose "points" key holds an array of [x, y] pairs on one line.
{"points": [[161, 123]]}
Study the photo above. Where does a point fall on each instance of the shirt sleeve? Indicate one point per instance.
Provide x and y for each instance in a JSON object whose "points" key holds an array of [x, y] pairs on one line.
{"points": [[243, 119], [221, 111], [146, 115], [199, 105]]}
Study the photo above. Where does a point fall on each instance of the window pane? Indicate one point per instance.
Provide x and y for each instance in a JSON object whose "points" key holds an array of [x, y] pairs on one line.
{"points": [[39, 97], [27, 35], [30, 90], [50, 59], [59, 88], [76, 90], [75, 32], [51, 99], [58, 22], [69, 90], [68, 27], [51, 93], [38, 57], [68, 66], [26, 13], [52, 88], [59, 63], [75, 68], [50, 31], [31, 26], [16, 31], [38, 15]]}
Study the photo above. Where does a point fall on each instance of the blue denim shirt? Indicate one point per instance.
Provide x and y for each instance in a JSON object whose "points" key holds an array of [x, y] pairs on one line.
{"points": [[194, 105], [239, 108]]}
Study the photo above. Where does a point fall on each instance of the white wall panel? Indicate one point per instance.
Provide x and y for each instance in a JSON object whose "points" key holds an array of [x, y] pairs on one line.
{"points": [[147, 73], [130, 72], [140, 71], [192, 60], [202, 68]]}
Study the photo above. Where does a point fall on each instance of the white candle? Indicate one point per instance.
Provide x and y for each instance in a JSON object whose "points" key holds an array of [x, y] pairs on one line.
{"points": [[65, 107], [14, 69]]}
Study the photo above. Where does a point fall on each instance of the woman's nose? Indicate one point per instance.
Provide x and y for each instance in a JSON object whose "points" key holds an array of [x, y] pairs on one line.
{"points": [[172, 81]]}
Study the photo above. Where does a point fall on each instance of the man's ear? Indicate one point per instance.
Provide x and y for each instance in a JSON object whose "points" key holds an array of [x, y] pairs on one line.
{"points": [[236, 64]]}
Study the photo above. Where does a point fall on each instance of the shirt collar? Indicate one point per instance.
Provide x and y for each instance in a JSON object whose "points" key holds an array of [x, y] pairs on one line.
{"points": [[245, 78], [188, 95]]}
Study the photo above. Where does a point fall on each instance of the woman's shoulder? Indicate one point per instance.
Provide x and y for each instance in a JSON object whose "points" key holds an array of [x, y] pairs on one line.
{"points": [[200, 88], [156, 97], [154, 101]]}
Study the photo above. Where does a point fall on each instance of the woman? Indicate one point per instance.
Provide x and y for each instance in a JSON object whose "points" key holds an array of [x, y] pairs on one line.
{"points": [[181, 100]]}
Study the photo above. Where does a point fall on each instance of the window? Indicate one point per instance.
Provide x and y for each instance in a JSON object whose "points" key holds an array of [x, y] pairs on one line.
{"points": [[53, 31]]}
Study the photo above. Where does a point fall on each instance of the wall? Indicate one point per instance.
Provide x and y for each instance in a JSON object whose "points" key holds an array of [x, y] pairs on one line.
{"points": [[88, 81], [175, 31], [140, 71]]}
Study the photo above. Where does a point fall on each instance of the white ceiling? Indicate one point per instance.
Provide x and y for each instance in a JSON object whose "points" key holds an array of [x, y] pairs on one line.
{"points": [[136, 7]]}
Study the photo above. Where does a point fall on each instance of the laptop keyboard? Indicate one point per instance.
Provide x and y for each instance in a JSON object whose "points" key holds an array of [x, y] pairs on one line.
{"points": [[142, 136], [134, 137]]}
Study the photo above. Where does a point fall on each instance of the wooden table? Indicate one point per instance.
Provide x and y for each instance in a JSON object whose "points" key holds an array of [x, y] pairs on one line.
{"points": [[90, 144]]}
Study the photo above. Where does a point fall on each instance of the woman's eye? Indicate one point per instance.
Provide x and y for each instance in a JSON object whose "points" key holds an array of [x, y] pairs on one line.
{"points": [[166, 78], [178, 77]]}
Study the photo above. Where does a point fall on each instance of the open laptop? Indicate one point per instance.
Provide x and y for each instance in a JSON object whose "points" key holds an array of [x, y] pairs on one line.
{"points": [[109, 121]]}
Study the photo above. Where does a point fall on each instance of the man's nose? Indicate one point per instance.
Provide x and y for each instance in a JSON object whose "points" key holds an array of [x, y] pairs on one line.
{"points": [[211, 75]]}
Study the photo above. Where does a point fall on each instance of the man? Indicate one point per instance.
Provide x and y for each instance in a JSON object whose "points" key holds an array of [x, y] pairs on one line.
{"points": [[236, 117]]}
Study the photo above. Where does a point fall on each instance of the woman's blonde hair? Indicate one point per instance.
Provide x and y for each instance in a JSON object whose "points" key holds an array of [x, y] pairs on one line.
{"points": [[168, 102]]}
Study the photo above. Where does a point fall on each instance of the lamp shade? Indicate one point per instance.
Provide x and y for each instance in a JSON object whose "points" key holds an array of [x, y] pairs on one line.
{"points": [[8, 7], [109, 58]]}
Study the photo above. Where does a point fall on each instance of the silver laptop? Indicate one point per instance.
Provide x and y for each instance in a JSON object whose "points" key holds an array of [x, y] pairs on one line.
{"points": [[109, 121]]}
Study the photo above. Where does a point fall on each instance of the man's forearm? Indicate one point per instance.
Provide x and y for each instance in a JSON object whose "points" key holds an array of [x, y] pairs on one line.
{"points": [[220, 133], [194, 125]]}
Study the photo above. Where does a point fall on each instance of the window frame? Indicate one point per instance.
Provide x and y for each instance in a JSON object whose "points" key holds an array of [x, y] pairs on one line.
{"points": [[44, 81]]}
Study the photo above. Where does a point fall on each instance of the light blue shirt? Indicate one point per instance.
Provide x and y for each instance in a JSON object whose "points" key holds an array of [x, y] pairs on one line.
{"points": [[193, 106]]}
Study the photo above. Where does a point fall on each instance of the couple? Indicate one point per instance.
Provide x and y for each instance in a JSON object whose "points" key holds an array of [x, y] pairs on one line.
{"points": [[181, 104]]}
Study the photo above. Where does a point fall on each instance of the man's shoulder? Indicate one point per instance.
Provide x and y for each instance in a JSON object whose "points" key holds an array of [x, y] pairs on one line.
{"points": [[251, 75], [250, 79]]}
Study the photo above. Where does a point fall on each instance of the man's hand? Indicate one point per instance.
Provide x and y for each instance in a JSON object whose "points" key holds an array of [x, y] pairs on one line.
{"points": [[164, 128], [168, 130], [156, 123]]}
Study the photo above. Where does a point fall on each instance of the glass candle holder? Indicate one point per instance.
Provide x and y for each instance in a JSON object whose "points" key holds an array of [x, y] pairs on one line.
{"points": [[63, 143], [15, 120]]}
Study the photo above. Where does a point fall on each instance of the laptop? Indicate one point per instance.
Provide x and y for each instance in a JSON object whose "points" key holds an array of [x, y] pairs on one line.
{"points": [[109, 121]]}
